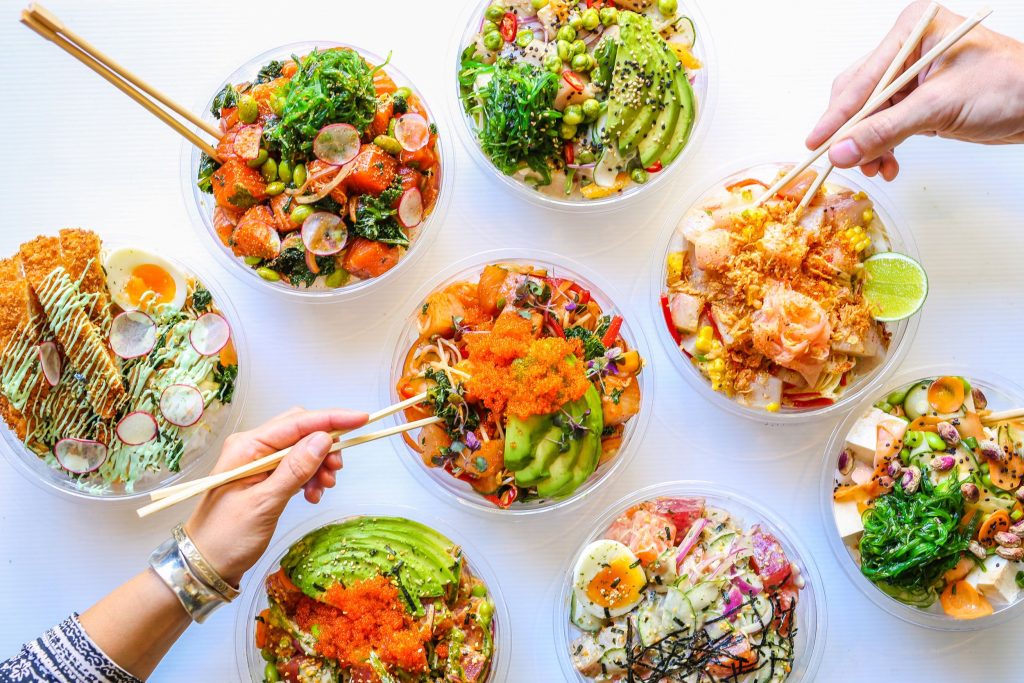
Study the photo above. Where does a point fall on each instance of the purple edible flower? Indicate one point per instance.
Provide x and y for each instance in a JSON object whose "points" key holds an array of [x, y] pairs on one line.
{"points": [[570, 306], [472, 443]]}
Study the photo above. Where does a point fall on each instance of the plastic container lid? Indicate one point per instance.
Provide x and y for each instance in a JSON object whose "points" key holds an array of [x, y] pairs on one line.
{"points": [[201, 205]]}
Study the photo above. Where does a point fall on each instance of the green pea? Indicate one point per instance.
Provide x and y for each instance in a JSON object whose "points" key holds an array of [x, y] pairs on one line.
{"points": [[277, 104], [337, 279], [494, 12], [524, 37], [987, 481], [578, 47], [270, 674], [913, 438], [488, 27], [403, 92], [581, 63], [585, 156], [260, 159], [668, 7], [984, 467], [576, 22], [388, 144], [248, 109], [479, 590], [591, 19], [252, 260], [638, 175], [267, 654], [284, 171], [268, 274], [935, 441], [591, 109], [539, 4], [269, 170], [553, 62], [564, 48], [573, 114], [275, 188], [299, 175], [493, 41], [566, 33], [567, 131], [609, 15], [300, 213], [897, 397]]}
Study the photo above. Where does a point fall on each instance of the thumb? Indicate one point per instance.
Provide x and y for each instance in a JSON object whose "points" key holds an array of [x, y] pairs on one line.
{"points": [[297, 467], [881, 132]]}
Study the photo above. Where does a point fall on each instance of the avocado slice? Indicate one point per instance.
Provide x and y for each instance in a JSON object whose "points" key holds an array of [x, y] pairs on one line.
{"points": [[590, 453], [521, 438], [561, 475], [634, 134], [652, 146], [684, 124], [548, 448]]}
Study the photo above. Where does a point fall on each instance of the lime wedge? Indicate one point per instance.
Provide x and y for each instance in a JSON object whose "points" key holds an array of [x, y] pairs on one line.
{"points": [[895, 285]]}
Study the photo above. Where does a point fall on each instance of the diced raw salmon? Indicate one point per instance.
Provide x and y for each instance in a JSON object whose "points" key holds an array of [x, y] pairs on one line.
{"points": [[373, 169], [381, 120], [256, 235], [367, 259], [236, 186]]}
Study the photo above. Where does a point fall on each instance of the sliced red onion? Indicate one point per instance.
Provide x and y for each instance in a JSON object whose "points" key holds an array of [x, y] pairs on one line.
{"points": [[137, 428], [336, 144], [80, 456], [209, 334], [412, 132], [410, 208], [49, 360], [733, 601], [324, 233], [690, 540], [745, 588], [132, 334], [181, 405]]}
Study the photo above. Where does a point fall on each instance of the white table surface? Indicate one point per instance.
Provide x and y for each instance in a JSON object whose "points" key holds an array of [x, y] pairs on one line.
{"points": [[75, 152]]}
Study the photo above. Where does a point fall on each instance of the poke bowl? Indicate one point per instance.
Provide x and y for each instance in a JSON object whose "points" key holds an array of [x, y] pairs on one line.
{"points": [[687, 581], [535, 375], [119, 368], [407, 603], [582, 107], [765, 310], [922, 498], [331, 174]]}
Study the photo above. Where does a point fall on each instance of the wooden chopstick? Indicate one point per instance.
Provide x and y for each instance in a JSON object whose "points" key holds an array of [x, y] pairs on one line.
{"points": [[913, 40], [269, 462], [50, 20], [380, 414], [875, 102], [60, 41], [1003, 416]]}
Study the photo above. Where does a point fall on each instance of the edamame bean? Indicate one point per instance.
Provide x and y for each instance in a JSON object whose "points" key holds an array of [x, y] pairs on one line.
{"points": [[576, 22], [248, 109], [524, 37], [912, 438], [277, 103], [539, 4], [284, 171], [609, 15], [897, 397], [275, 188], [553, 62], [591, 109], [252, 260], [479, 591], [267, 654], [581, 62], [493, 41], [488, 27], [564, 48], [591, 19], [884, 406], [337, 279], [485, 612], [388, 144], [987, 481], [573, 114], [268, 274], [494, 13], [566, 33], [269, 170], [299, 175], [905, 456], [935, 441], [300, 213], [403, 92], [585, 157], [270, 674], [567, 131], [260, 159], [668, 7], [578, 47], [638, 175]]}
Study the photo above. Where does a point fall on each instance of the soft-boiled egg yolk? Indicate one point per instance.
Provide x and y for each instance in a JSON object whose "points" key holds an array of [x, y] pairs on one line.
{"points": [[616, 584], [149, 277]]}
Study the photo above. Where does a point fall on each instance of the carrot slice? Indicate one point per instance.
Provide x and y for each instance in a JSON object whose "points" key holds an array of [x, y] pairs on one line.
{"points": [[970, 425], [996, 522], [925, 423], [946, 394], [1007, 475], [262, 629], [960, 600], [961, 570], [887, 445]]}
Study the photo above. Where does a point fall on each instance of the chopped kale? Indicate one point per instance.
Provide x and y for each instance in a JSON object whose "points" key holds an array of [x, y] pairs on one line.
{"points": [[292, 264], [448, 403], [201, 299], [592, 345], [225, 376], [269, 72], [376, 217], [399, 104], [207, 167], [225, 99]]}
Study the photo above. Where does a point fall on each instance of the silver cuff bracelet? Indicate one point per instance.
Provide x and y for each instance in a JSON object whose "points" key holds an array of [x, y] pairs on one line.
{"points": [[199, 600], [200, 566]]}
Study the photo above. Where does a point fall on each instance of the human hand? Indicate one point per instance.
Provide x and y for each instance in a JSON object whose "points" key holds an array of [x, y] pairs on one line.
{"points": [[233, 524], [973, 92]]}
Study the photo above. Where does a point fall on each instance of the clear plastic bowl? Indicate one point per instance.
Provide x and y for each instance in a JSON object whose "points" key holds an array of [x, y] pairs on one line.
{"points": [[1001, 395], [437, 479], [254, 600], [811, 619], [903, 332], [201, 204], [705, 89], [29, 464]]}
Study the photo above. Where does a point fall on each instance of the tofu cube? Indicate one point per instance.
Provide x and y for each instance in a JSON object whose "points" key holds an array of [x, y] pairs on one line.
{"points": [[997, 579], [848, 519], [864, 434]]}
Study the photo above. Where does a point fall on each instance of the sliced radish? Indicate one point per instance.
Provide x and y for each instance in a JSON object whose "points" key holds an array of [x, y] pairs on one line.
{"points": [[410, 208], [132, 334], [247, 142], [49, 360], [137, 428], [181, 404], [80, 456], [336, 144], [324, 233], [412, 132], [209, 334]]}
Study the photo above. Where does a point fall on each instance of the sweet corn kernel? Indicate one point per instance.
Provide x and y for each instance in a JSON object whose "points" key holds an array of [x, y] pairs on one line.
{"points": [[675, 265], [705, 337], [772, 407], [717, 365], [868, 216], [748, 195], [860, 196]]}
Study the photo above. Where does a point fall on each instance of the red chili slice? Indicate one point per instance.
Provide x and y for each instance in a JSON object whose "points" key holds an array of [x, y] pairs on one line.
{"points": [[813, 403], [570, 152], [573, 79], [509, 27], [555, 325], [673, 330], [655, 167], [746, 182], [613, 331]]}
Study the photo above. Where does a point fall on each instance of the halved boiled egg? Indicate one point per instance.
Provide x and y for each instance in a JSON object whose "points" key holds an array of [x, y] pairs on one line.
{"points": [[140, 280], [608, 580]]}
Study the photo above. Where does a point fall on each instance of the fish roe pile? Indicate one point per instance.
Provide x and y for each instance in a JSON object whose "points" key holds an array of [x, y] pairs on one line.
{"points": [[368, 615], [514, 372]]}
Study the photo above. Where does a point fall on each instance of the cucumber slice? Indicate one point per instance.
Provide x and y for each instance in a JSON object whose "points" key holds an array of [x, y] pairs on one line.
{"points": [[916, 403], [703, 595], [677, 612], [614, 658], [684, 32], [582, 619]]}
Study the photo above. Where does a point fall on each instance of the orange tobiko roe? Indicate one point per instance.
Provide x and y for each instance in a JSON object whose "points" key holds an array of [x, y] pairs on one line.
{"points": [[514, 372], [368, 615]]}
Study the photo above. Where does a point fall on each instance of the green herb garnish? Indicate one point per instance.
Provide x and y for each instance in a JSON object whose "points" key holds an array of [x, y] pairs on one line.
{"points": [[201, 299], [592, 345], [292, 263]]}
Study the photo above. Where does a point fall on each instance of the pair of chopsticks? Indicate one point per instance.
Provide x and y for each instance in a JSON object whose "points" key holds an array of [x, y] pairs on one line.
{"points": [[882, 94], [172, 495], [1003, 416], [46, 24]]}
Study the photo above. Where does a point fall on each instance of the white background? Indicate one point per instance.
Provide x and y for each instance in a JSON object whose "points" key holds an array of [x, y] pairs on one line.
{"points": [[76, 152]]}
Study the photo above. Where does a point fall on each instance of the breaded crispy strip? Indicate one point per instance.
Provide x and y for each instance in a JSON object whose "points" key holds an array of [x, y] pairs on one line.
{"points": [[14, 315], [80, 254], [84, 346]]}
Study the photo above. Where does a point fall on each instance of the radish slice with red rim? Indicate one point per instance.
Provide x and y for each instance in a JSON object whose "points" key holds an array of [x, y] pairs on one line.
{"points": [[80, 456], [412, 132], [137, 428], [247, 142], [49, 360], [132, 334], [336, 144], [181, 405], [209, 334], [324, 233], [410, 208]]}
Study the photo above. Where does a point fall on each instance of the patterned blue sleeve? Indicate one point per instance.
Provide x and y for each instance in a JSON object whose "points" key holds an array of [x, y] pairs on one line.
{"points": [[64, 654]]}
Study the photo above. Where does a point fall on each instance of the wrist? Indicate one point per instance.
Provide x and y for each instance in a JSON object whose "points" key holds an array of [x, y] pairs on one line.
{"points": [[219, 557], [196, 598]]}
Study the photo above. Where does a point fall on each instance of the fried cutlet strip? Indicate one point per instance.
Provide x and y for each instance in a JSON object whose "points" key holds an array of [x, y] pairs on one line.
{"points": [[80, 254], [83, 344], [14, 314]]}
